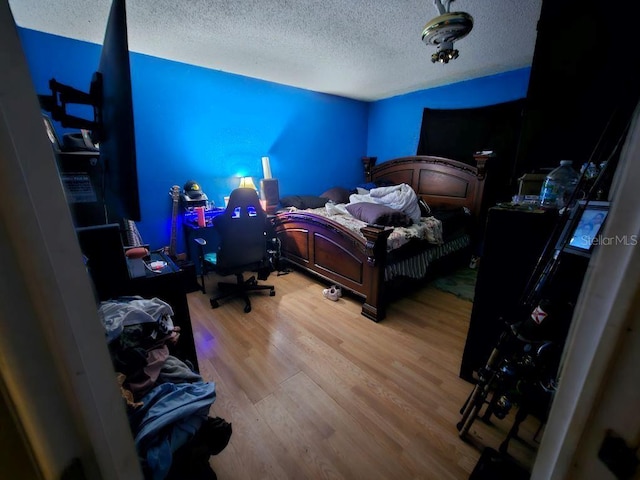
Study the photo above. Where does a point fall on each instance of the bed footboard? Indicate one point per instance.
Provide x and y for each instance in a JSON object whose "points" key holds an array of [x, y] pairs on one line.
{"points": [[333, 253]]}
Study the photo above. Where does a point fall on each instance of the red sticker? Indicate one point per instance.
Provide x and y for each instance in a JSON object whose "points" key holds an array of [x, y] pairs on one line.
{"points": [[538, 315]]}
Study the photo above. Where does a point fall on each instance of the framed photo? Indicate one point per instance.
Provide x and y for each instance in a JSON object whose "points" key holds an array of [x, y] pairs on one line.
{"points": [[592, 218]]}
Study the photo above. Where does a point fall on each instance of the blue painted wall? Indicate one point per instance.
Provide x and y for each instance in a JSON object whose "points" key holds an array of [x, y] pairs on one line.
{"points": [[213, 127], [394, 123], [196, 123]]}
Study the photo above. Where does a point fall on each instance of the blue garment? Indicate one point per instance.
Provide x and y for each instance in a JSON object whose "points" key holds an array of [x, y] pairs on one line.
{"points": [[170, 415]]}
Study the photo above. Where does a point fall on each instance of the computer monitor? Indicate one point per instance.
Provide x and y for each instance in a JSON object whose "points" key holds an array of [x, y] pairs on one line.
{"points": [[105, 260]]}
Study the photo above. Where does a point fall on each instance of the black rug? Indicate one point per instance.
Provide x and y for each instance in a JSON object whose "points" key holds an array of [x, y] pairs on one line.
{"points": [[461, 283]]}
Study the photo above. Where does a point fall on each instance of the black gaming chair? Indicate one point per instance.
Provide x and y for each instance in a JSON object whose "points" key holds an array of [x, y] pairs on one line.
{"points": [[243, 248]]}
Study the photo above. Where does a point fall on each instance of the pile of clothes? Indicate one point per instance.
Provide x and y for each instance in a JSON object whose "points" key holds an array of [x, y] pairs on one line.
{"points": [[167, 401]]}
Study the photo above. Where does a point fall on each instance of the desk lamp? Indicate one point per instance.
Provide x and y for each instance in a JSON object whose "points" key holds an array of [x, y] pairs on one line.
{"points": [[247, 182]]}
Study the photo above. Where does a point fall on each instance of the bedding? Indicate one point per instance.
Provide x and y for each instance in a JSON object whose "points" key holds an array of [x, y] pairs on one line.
{"points": [[378, 214], [398, 197], [337, 195], [455, 221], [303, 201], [417, 266], [428, 229], [366, 258]]}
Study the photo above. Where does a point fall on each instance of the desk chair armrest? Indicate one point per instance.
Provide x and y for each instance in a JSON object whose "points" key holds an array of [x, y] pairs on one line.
{"points": [[201, 244]]}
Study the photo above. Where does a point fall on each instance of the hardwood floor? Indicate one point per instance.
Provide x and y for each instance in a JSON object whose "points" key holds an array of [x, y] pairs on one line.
{"points": [[314, 390]]}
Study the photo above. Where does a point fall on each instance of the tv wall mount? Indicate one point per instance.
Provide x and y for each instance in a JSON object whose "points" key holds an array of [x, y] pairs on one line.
{"points": [[63, 95]]}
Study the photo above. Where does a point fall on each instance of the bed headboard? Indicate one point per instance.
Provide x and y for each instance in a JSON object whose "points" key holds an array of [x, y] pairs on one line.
{"points": [[441, 182]]}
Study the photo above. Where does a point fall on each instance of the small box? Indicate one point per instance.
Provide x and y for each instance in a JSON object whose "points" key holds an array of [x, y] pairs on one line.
{"points": [[531, 183]]}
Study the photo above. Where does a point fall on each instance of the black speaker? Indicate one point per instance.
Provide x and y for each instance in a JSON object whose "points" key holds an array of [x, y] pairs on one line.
{"points": [[270, 192]]}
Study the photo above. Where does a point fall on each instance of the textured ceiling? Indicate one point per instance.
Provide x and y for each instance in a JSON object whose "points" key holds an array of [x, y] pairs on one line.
{"points": [[362, 49]]}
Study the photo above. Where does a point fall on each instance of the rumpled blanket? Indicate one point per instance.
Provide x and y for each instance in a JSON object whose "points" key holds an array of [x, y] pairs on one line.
{"points": [[399, 197], [125, 311], [428, 228]]}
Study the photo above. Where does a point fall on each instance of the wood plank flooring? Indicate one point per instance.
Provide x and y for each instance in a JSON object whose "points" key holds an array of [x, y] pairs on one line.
{"points": [[315, 390]]}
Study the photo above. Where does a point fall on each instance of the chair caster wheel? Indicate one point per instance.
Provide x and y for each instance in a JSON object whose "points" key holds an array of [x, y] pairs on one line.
{"points": [[247, 308], [214, 303], [272, 293]]}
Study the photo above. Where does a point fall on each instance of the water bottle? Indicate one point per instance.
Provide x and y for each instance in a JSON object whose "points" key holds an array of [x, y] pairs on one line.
{"points": [[559, 185], [589, 170]]}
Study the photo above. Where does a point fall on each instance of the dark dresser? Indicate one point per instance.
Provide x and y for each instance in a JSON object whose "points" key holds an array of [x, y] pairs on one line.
{"points": [[514, 239]]}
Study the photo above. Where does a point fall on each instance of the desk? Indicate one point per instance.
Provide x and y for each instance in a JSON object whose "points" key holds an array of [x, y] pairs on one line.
{"points": [[139, 267], [168, 285], [192, 231], [108, 268], [209, 234]]}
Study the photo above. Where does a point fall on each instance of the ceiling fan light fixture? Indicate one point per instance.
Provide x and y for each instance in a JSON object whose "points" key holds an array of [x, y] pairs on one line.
{"points": [[444, 53], [443, 30]]}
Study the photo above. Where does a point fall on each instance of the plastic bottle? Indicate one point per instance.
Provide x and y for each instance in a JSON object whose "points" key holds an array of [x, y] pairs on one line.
{"points": [[559, 185], [591, 170]]}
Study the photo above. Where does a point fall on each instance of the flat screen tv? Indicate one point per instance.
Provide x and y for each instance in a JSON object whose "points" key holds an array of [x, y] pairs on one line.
{"points": [[112, 128], [116, 132]]}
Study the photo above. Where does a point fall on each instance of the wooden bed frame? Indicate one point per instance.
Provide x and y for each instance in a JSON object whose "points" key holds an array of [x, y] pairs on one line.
{"points": [[330, 251]]}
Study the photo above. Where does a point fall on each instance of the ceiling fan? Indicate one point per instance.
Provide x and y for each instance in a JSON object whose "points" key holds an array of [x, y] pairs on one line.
{"points": [[445, 29]]}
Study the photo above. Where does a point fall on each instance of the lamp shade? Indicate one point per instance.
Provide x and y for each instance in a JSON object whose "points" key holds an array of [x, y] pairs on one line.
{"points": [[247, 182]]}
